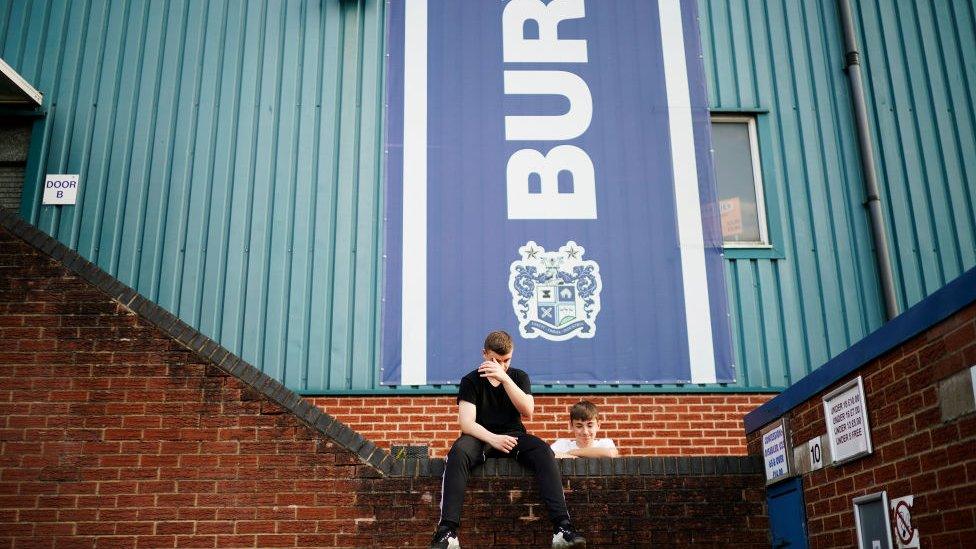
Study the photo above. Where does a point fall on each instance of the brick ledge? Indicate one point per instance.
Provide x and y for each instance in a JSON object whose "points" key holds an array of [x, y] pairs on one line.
{"points": [[629, 466]]}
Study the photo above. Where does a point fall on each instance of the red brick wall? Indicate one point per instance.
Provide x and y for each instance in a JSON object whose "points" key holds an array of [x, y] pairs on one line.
{"points": [[666, 425], [915, 453], [114, 435]]}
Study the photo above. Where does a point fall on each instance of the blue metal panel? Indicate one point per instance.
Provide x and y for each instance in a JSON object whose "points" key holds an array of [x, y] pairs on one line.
{"points": [[787, 514]]}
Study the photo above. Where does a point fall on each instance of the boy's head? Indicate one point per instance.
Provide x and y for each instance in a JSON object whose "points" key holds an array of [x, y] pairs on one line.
{"points": [[584, 421], [498, 348]]}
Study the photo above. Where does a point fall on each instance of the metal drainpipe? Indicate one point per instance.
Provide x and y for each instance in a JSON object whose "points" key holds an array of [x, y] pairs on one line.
{"points": [[872, 200]]}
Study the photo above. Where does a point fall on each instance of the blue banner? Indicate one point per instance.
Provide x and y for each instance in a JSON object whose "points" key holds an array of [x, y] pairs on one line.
{"points": [[548, 173]]}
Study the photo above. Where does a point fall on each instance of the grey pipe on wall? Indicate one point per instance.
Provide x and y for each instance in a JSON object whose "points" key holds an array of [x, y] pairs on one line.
{"points": [[872, 198]]}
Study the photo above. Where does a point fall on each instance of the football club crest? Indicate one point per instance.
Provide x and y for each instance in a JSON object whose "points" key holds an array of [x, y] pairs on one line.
{"points": [[555, 295]]}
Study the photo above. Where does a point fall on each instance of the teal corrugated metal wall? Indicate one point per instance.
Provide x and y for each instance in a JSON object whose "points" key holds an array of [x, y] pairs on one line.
{"points": [[794, 313], [230, 156], [785, 59], [922, 82]]}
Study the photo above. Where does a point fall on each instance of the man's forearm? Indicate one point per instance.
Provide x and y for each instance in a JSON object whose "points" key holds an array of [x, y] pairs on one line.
{"points": [[593, 452], [477, 431], [524, 403]]}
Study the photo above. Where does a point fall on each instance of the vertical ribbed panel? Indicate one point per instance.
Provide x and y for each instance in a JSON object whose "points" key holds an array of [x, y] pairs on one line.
{"points": [[921, 82], [786, 57], [229, 154], [230, 158]]}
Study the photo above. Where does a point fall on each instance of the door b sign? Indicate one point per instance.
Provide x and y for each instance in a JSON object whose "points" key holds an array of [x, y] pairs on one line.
{"points": [[60, 188]]}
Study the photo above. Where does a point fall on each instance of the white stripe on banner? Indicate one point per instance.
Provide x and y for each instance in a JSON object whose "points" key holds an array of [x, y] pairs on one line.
{"points": [[690, 236], [413, 333]]}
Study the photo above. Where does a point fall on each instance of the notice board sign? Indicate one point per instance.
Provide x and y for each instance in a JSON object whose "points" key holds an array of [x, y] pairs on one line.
{"points": [[846, 415], [548, 173], [777, 451]]}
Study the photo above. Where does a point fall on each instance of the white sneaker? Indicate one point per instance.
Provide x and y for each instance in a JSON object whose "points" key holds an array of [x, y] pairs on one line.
{"points": [[445, 539], [567, 536]]}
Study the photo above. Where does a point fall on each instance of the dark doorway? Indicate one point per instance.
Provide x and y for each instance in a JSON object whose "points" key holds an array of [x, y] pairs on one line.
{"points": [[787, 515]]}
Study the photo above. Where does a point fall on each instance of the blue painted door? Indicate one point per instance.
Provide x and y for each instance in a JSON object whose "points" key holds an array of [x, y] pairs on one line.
{"points": [[787, 515]]}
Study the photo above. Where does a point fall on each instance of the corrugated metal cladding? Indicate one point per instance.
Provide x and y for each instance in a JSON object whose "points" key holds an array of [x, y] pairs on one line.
{"points": [[229, 154], [785, 59], [230, 158]]}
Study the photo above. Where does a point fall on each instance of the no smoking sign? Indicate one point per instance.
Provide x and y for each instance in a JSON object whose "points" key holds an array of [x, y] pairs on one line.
{"points": [[906, 535]]}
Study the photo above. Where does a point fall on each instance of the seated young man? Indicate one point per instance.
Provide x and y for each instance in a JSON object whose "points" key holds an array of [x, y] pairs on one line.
{"points": [[584, 422], [491, 403]]}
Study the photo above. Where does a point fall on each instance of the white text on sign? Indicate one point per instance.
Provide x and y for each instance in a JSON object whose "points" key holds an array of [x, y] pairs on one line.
{"points": [[774, 446], [547, 200], [847, 421]]}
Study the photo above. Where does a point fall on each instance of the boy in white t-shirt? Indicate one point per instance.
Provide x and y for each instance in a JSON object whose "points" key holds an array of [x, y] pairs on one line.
{"points": [[584, 422]]}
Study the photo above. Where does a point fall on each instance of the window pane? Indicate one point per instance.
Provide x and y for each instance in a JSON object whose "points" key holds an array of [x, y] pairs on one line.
{"points": [[736, 182]]}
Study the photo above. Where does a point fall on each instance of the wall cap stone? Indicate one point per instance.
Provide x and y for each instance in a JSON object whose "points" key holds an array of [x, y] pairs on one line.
{"points": [[627, 466]]}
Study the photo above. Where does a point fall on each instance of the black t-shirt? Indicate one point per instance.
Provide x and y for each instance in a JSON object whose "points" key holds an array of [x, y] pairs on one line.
{"points": [[495, 410]]}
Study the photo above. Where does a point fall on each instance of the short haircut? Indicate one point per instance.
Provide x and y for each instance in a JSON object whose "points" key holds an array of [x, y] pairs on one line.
{"points": [[499, 342], [583, 410]]}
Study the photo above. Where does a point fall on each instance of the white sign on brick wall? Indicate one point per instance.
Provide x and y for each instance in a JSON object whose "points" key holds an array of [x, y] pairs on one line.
{"points": [[776, 451], [815, 448], [845, 412], [60, 188], [906, 535]]}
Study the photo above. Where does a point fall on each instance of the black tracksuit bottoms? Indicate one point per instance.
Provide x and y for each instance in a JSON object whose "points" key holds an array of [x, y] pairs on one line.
{"points": [[532, 452]]}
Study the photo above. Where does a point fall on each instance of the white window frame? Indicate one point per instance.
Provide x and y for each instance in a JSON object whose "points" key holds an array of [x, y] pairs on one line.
{"points": [[750, 122]]}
